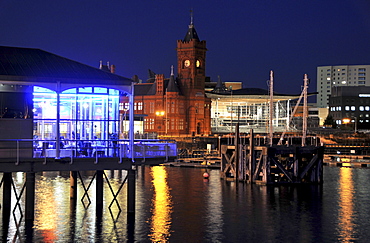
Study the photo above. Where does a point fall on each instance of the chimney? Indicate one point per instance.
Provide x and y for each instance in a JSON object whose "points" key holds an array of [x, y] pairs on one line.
{"points": [[112, 68]]}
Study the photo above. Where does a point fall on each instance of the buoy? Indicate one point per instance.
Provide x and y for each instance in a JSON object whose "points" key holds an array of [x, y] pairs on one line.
{"points": [[205, 175]]}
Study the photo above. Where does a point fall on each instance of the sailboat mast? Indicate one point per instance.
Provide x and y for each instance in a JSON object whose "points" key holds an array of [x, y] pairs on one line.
{"points": [[271, 131]]}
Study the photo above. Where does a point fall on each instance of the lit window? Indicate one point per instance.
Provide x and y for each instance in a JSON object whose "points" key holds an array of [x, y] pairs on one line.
{"points": [[140, 106], [353, 108], [367, 108], [328, 78], [347, 108], [361, 108]]}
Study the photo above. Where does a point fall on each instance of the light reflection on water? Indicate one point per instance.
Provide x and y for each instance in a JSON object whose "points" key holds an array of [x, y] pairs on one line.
{"points": [[346, 192], [177, 204], [161, 206]]}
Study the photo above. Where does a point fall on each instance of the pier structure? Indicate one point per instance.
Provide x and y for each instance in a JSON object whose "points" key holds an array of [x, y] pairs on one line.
{"points": [[61, 115], [144, 154], [276, 164], [285, 161]]}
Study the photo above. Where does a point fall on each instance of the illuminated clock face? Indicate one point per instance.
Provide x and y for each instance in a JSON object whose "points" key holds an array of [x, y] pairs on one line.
{"points": [[187, 63], [197, 63]]}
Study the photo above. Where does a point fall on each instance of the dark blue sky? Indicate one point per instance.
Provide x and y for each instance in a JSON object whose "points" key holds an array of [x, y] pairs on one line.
{"points": [[245, 38]]}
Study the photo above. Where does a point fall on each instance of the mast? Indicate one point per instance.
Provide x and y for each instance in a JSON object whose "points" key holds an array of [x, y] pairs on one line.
{"points": [[305, 115], [271, 130]]}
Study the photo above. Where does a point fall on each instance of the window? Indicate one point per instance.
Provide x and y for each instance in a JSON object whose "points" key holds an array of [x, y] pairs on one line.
{"points": [[362, 69], [361, 82], [151, 107], [361, 108], [181, 124], [140, 106], [346, 108], [353, 108]]}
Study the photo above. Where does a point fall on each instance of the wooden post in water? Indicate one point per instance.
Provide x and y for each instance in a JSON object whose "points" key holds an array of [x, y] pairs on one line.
{"points": [[99, 193], [251, 156], [237, 152], [7, 195], [30, 197], [131, 191], [73, 189]]}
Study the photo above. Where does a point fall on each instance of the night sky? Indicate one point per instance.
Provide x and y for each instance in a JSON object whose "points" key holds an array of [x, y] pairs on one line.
{"points": [[245, 39]]}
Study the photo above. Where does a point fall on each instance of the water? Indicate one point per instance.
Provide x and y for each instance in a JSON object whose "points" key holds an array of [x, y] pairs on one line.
{"points": [[178, 205]]}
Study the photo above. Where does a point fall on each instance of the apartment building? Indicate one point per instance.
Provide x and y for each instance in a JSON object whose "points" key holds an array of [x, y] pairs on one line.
{"points": [[341, 75]]}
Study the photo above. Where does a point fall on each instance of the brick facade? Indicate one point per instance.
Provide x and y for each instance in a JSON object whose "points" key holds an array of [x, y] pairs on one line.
{"points": [[178, 106]]}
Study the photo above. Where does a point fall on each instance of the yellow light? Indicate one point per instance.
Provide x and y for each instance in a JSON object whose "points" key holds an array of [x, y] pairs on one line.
{"points": [[346, 120], [159, 113]]}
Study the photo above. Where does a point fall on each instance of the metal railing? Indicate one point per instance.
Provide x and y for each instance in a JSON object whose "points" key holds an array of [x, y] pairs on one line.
{"points": [[31, 148]]}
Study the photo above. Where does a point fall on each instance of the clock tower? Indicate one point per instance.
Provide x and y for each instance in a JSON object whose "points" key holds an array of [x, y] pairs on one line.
{"points": [[191, 62], [191, 70]]}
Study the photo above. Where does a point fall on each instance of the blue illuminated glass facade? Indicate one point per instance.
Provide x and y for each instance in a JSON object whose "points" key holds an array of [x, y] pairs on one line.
{"points": [[85, 113]]}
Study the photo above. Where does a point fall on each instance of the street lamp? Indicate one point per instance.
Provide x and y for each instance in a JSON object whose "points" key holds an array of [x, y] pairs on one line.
{"points": [[348, 120], [161, 114]]}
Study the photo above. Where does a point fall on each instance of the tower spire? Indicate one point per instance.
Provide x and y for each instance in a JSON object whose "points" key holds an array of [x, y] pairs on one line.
{"points": [[191, 33], [191, 17]]}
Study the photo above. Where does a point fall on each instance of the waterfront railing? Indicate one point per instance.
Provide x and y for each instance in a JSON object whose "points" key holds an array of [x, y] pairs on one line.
{"points": [[120, 148]]}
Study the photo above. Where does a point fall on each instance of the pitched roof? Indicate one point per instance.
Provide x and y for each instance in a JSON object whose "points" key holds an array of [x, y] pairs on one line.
{"points": [[27, 64], [172, 86], [191, 34]]}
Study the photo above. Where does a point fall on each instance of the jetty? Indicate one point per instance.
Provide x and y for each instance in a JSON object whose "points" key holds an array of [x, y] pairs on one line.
{"points": [[275, 162]]}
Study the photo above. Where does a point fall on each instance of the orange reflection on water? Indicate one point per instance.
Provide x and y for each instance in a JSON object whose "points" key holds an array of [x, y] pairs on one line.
{"points": [[346, 205], [45, 221], [161, 206]]}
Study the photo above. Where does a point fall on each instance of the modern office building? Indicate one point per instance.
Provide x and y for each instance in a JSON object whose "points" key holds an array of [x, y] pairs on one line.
{"points": [[351, 103], [341, 75], [250, 109]]}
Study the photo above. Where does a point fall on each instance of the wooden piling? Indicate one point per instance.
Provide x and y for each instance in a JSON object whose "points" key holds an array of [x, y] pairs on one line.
{"points": [[131, 191], [7, 195], [99, 192], [73, 189], [30, 197]]}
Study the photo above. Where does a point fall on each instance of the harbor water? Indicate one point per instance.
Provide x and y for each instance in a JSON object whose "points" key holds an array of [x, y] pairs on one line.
{"points": [[176, 204]]}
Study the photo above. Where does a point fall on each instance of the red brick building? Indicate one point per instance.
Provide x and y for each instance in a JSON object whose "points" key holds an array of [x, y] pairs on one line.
{"points": [[178, 105]]}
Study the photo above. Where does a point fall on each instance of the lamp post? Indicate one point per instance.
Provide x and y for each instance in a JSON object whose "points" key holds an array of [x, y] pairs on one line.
{"points": [[160, 114]]}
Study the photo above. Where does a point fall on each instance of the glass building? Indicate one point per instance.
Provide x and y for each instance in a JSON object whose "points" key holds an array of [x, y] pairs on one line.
{"points": [[85, 113]]}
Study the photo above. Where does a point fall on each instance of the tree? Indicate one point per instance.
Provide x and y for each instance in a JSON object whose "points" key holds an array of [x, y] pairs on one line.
{"points": [[329, 121]]}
